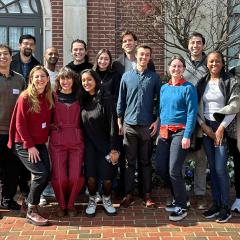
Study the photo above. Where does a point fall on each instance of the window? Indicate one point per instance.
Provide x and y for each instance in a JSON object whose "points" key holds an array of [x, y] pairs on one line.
{"points": [[21, 17]]}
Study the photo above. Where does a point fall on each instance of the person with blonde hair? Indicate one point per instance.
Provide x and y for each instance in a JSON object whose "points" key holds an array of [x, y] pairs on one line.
{"points": [[28, 135]]}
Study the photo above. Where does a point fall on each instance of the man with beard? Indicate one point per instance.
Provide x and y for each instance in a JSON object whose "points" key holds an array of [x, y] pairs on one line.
{"points": [[23, 62], [51, 57]]}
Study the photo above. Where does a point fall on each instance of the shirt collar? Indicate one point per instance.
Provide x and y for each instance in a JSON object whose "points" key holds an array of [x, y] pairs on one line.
{"points": [[181, 81], [11, 73]]}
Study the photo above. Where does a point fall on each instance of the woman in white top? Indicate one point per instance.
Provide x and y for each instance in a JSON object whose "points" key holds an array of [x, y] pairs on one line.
{"points": [[218, 92]]}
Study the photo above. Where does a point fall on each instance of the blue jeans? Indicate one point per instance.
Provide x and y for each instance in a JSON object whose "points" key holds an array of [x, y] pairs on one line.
{"points": [[169, 164], [217, 157]]}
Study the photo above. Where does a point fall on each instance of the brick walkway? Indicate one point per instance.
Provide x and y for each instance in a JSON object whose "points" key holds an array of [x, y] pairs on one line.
{"points": [[135, 223]]}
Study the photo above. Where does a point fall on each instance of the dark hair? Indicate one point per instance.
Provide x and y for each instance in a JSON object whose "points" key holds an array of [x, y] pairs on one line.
{"points": [[84, 96], [222, 57], [100, 52], [66, 72], [143, 46], [79, 41], [26, 36], [127, 32], [178, 57], [7, 47], [196, 34]]}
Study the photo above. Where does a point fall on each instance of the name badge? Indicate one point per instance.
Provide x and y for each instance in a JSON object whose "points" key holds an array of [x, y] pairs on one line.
{"points": [[16, 91], [44, 125]]}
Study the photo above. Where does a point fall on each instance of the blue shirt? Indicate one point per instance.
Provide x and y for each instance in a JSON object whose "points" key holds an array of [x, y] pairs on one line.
{"points": [[136, 97], [179, 105]]}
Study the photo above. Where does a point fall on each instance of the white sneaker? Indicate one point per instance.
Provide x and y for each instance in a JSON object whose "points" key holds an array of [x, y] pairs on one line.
{"points": [[108, 207], [236, 206], [43, 201], [91, 208]]}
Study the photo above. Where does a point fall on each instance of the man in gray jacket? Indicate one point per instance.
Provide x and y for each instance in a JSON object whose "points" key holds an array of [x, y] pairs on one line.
{"points": [[195, 69]]}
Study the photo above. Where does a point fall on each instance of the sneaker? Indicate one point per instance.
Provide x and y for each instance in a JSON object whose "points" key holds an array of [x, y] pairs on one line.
{"points": [[108, 207], [98, 197], [170, 207], [43, 201], [236, 206], [91, 208], [224, 215], [212, 212], [178, 214]]}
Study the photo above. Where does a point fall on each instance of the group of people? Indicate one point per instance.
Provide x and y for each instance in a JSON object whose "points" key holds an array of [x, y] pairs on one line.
{"points": [[78, 125]]}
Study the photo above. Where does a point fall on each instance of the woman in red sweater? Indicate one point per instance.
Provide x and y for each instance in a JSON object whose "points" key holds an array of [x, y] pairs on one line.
{"points": [[28, 134]]}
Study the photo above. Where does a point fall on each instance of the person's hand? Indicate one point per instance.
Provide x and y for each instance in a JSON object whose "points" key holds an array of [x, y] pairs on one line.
{"points": [[153, 128], [33, 155], [120, 126], [208, 130], [186, 143], [114, 156], [219, 135]]}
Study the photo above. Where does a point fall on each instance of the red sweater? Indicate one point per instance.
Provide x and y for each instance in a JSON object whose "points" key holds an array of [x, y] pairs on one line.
{"points": [[29, 128]]}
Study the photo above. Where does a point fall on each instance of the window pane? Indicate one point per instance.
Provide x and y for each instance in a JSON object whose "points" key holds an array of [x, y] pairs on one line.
{"points": [[28, 30], [12, 8], [2, 10], [25, 6], [34, 5], [3, 35], [14, 35]]}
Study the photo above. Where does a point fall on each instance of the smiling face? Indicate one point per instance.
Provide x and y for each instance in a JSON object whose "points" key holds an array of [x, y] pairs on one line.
{"points": [[195, 47], [51, 55], [128, 44], [88, 83], [27, 47], [5, 58], [176, 69], [103, 61], [214, 64], [66, 85], [78, 53], [143, 56], [40, 80]]}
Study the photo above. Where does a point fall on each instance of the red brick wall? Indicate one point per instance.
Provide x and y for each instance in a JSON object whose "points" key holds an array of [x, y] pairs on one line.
{"points": [[57, 27]]}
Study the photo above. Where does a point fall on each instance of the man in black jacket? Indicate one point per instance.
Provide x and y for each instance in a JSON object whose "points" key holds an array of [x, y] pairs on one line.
{"points": [[23, 62]]}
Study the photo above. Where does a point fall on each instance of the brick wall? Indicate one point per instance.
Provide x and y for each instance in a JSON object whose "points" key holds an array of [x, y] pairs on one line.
{"points": [[57, 27]]}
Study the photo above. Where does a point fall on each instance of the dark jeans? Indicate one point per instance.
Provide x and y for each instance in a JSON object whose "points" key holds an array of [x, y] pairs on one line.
{"points": [[217, 157], [40, 171], [138, 147], [169, 164], [9, 171], [234, 152]]}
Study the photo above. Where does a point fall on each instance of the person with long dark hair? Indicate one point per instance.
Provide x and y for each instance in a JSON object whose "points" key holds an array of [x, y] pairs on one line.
{"points": [[219, 102], [101, 140]]}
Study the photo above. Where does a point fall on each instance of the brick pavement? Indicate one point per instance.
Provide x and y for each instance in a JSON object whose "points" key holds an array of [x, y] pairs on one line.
{"points": [[135, 223]]}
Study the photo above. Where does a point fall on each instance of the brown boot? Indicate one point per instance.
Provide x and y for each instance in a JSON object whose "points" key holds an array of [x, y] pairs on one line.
{"points": [[201, 202], [35, 218], [127, 201]]}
